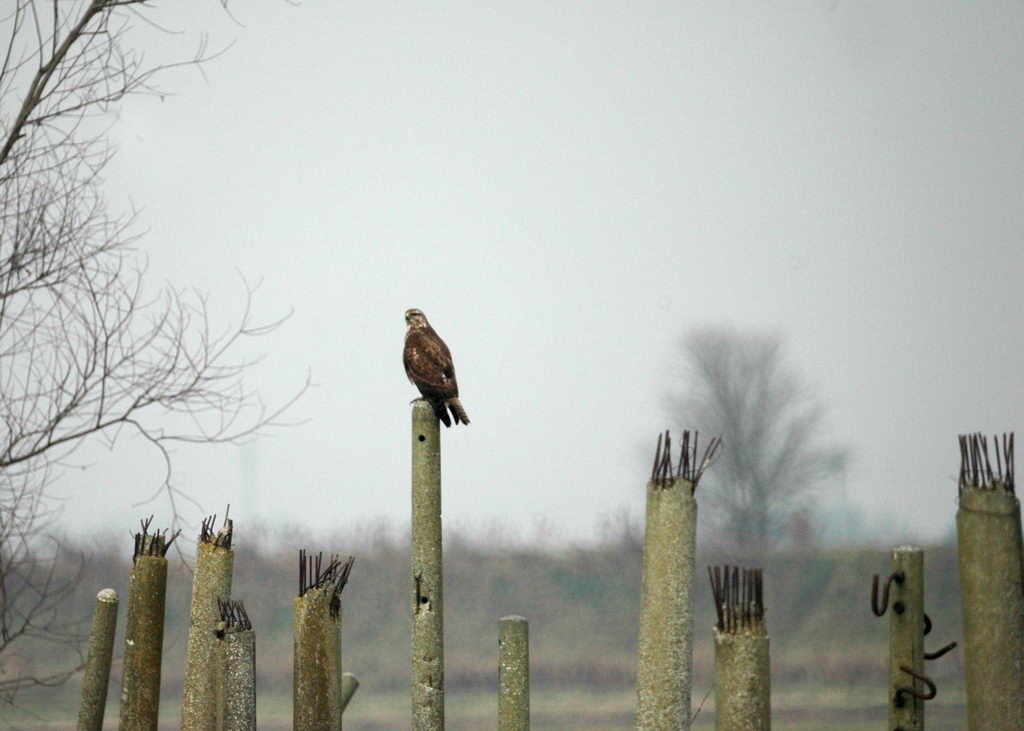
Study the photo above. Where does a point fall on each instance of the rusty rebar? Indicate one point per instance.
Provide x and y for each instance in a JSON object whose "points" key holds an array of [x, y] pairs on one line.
{"points": [[742, 664], [739, 598], [687, 466], [151, 544], [976, 467]]}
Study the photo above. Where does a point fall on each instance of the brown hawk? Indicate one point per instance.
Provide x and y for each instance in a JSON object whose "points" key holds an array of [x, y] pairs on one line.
{"points": [[428, 363]]}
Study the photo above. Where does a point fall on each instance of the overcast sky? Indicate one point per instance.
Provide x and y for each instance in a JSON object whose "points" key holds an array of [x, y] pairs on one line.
{"points": [[565, 189]]}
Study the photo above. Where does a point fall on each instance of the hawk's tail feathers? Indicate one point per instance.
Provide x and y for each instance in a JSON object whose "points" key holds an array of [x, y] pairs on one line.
{"points": [[457, 411], [442, 413]]}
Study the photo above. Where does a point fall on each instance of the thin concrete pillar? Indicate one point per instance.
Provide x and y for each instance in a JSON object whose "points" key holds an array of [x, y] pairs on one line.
{"points": [[426, 590], [513, 674], [144, 631], [666, 603], [97, 664], [906, 638]]}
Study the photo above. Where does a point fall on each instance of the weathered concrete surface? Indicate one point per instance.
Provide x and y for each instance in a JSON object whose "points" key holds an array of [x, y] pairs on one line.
{"points": [[143, 643], [427, 597], [96, 678], [743, 685], [317, 682], [991, 607], [666, 607], [513, 674], [212, 580]]}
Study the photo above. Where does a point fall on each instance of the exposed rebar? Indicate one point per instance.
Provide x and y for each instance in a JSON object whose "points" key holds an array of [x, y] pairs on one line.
{"points": [[96, 679], [211, 583], [233, 616], [222, 537], [976, 467], [687, 467], [314, 575], [151, 544], [739, 599]]}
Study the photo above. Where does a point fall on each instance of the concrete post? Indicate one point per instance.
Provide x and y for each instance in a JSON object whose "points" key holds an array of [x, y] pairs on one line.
{"points": [[236, 677], [991, 607], [513, 674], [742, 682], [906, 638], [742, 667], [317, 690], [97, 664], [144, 634], [426, 588], [666, 606], [212, 581]]}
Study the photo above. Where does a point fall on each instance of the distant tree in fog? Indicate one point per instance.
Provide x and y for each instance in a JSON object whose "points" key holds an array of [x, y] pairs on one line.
{"points": [[774, 453], [86, 350]]}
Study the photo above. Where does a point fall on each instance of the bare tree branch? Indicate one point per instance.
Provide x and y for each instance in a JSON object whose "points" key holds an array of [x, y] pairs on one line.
{"points": [[86, 350]]}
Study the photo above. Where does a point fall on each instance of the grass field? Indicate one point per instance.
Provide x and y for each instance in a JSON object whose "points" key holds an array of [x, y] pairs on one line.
{"points": [[829, 656], [803, 707]]}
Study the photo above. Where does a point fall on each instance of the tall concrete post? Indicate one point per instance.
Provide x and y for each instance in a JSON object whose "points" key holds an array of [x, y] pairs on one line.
{"points": [[666, 602], [426, 587], [144, 632]]}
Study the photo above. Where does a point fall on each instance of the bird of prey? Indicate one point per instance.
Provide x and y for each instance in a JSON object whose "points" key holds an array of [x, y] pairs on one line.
{"points": [[428, 363]]}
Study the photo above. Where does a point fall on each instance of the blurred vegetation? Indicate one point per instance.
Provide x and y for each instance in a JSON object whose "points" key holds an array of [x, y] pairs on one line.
{"points": [[829, 652]]}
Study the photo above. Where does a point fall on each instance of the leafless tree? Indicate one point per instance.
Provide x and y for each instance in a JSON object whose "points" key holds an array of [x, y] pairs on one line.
{"points": [[774, 455], [86, 351]]}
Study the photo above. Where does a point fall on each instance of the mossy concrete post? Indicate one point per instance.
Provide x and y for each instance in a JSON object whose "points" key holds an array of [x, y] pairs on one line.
{"points": [[236, 680], [317, 692], [906, 638], [426, 593], [666, 606], [349, 686], [991, 606], [144, 636], [513, 674], [742, 681], [212, 581], [97, 664]]}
